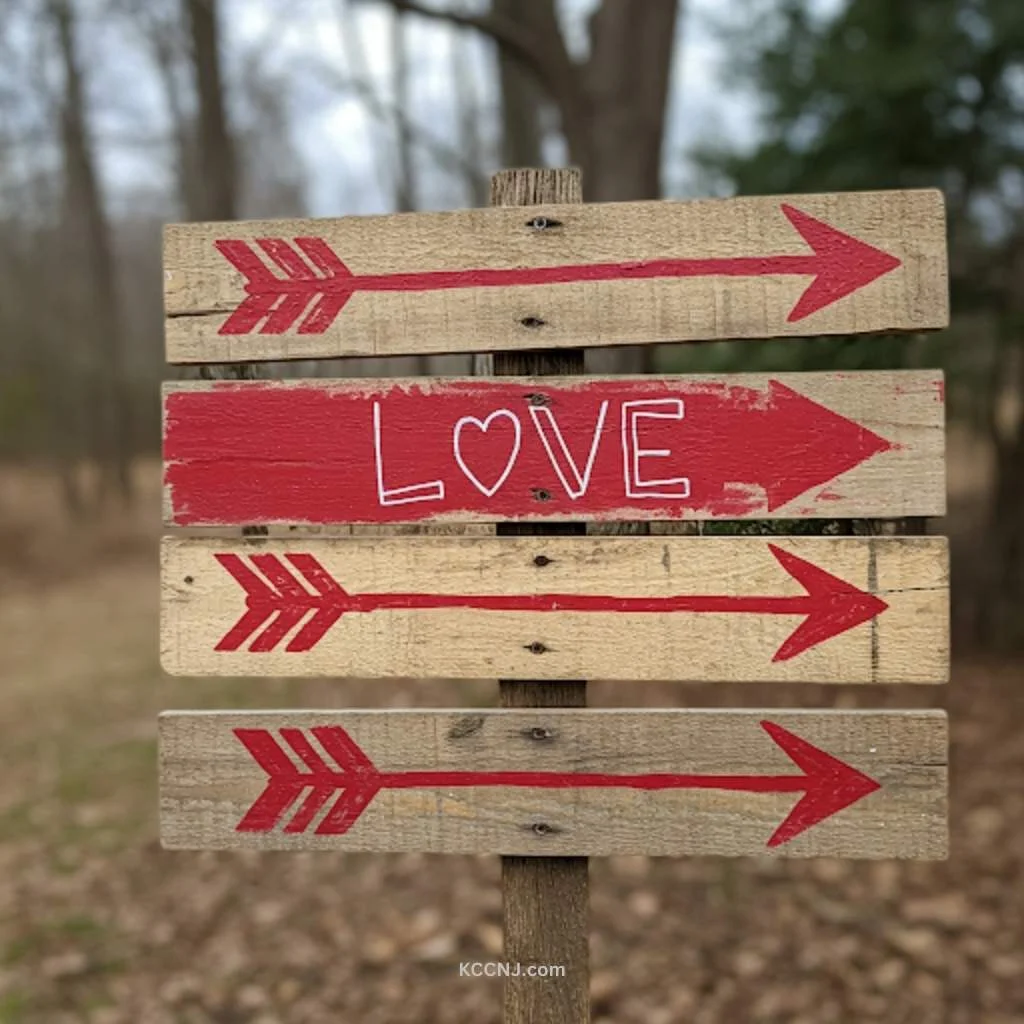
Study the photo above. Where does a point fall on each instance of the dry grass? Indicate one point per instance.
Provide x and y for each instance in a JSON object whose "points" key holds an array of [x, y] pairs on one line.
{"points": [[40, 543]]}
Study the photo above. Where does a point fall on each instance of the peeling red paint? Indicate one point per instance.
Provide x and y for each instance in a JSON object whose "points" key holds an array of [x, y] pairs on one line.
{"points": [[261, 452]]}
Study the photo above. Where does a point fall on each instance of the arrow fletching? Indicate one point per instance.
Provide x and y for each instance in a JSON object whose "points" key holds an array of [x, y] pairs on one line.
{"points": [[353, 780], [315, 285], [277, 600]]}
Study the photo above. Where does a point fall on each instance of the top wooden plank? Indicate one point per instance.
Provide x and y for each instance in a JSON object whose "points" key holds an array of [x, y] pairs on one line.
{"points": [[554, 276]]}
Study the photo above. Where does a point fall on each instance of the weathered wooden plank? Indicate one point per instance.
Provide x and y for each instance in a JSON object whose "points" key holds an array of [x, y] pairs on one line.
{"points": [[558, 782], [552, 276], [738, 446], [814, 609]]}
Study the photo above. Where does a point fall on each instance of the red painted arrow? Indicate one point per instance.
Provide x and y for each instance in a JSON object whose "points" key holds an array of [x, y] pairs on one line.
{"points": [[265, 453], [314, 276], [277, 602], [789, 444], [828, 785]]}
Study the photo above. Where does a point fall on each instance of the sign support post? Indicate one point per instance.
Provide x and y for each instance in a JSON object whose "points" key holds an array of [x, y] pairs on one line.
{"points": [[545, 899]]}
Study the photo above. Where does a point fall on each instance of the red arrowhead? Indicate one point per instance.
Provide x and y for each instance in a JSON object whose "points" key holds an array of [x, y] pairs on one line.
{"points": [[806, 445], [844, 263], [833, 606], [832, 785]]}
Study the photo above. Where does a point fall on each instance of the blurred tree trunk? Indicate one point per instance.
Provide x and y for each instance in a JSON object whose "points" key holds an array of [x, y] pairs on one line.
{"points": [[1003, 626], [36, 364], [626, 82], [89, 252], [1001, 613], [404, 173], [612, 105], [165, 39], [522, 101], [476, 161], [46, 399], [216, 194]]}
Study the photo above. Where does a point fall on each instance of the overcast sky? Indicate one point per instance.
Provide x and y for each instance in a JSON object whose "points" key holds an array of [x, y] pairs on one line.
{"points": [[298, 44]]}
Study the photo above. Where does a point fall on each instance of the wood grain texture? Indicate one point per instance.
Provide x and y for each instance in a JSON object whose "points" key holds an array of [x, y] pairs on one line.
{"points": [[755, 299], [837, 445], [209, 781], [732, 638]]}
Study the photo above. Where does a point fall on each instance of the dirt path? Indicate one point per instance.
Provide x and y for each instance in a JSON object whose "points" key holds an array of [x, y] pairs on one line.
{"points": [[98, 925]]}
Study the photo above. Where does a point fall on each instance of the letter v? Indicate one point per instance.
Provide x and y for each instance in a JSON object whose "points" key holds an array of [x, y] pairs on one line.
{"points": [[544, 420]]}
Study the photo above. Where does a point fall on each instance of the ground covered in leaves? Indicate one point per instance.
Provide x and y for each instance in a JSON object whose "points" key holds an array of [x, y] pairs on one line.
{"points": [[99, 925]]}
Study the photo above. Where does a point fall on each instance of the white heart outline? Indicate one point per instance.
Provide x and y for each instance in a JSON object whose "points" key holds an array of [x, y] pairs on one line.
{"points": [[483, 425]]}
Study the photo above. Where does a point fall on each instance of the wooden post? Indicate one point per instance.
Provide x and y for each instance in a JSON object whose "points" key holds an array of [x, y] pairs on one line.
{"points": [[546, 899]]}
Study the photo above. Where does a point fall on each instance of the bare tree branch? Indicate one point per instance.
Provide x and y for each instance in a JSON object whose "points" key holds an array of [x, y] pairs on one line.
{"points": [[506, 33], [540, 48], [445, 155]]}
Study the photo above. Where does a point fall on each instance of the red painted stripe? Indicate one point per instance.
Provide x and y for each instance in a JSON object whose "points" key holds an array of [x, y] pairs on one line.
{"points": [[593, 780], [723, 603], [446, 280]]}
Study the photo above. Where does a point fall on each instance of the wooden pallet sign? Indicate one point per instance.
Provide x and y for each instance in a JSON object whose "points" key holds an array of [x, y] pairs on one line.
{"points": [[543, 607], [553, 276], [557, 782], [732, 447], [839, 610]]}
